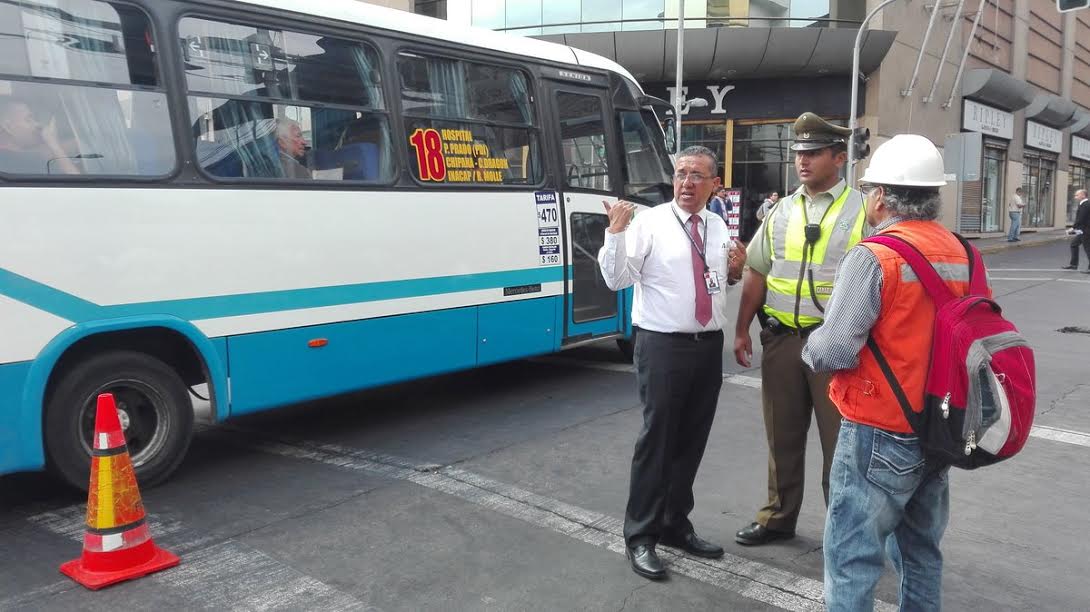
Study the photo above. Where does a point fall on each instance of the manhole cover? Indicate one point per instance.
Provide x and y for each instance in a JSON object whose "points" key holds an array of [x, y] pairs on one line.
{"points": [[1074, 330]]}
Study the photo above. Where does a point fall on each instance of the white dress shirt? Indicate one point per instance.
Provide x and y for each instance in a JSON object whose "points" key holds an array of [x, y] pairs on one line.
{"points": [[655, 255]]}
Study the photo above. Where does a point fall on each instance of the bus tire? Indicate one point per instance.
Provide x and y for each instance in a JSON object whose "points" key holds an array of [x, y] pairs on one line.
{"points": [[153, 404]]}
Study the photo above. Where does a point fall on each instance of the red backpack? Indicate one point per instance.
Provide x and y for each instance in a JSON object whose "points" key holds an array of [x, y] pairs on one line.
{"points": [[980, 395]]}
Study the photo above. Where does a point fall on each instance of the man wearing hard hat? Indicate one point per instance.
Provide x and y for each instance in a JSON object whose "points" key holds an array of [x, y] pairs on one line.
{"points": [[792, 260], [881, 483]]}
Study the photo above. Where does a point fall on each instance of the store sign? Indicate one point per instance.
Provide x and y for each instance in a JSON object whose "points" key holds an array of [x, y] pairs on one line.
{"points": [[1041, 136], [1080, 148], [759, 98], [977, 117]]}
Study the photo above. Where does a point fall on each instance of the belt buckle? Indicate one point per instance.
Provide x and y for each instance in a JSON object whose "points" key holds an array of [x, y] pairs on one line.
{"points": [[696, 336]]}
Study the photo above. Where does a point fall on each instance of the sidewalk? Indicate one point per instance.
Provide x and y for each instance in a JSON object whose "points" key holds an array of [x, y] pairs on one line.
{"points": [[997, 244]]}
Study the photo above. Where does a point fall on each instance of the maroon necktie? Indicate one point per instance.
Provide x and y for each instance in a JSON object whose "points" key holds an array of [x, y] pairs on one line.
{"points": [[703, 298]]}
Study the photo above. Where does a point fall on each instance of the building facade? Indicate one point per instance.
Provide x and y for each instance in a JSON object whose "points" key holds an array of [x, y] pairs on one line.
{"points": [[1015, 71]]}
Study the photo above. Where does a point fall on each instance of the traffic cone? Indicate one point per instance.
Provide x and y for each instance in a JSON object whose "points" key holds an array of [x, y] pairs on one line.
{"points": [[117, 545]]}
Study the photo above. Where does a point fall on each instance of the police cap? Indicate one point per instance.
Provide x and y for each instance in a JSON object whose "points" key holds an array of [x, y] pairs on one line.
{"points": [[813, 132]]}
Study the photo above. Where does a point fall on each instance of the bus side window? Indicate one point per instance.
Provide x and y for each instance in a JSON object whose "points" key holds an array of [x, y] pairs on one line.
{"points": [[324, 118], [108, 116], [468, 122], [583, 141]]}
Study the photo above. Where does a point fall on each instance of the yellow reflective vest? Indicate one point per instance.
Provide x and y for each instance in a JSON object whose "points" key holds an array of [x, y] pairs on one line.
{"points": [[801, 278]]}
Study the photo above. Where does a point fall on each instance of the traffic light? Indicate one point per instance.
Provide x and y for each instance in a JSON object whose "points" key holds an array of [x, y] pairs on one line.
{"points": [[1071, 5], [861, 147]]}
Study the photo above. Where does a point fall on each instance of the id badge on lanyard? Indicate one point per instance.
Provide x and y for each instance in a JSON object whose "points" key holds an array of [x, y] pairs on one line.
{"points": [[711, 281], [711, 277]]}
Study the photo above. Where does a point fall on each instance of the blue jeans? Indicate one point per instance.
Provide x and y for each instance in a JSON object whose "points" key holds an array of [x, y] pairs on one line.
{"points": [[883, 498], [1016, 225]]}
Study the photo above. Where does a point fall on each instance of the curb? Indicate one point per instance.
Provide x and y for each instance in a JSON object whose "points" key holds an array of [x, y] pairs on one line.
{"points": [[991, 249]]}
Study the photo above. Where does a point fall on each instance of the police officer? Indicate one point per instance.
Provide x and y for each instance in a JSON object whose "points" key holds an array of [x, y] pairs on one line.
{"points": [[792, 261]]}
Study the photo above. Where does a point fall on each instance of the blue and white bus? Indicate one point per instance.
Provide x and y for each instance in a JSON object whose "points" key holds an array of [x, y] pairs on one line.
{"points": [[287, 200]]}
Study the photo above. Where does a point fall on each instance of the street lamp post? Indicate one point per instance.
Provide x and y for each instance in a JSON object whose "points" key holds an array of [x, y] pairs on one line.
{"points": [[679, 96], [853, 121]]}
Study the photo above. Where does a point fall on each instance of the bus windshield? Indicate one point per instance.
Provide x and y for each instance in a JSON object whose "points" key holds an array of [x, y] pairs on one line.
{"points": [[647, 166]]}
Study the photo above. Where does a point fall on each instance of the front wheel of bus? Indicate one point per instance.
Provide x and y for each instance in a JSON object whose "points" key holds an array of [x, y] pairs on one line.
{"points": [[153, 405]]}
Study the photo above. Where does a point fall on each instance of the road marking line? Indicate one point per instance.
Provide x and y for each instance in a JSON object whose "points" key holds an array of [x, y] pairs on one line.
{"points": [[1056, 270], [228, 575], [1020, 278], [1060, 435], [1038, 431], [1030, 278], [751, 579]]}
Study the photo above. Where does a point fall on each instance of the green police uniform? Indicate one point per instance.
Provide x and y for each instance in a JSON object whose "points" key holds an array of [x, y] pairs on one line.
{"points": [[799, 270]]}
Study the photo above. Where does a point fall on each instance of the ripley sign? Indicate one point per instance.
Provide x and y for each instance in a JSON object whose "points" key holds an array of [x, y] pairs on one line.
{"points": [[761, 99]]}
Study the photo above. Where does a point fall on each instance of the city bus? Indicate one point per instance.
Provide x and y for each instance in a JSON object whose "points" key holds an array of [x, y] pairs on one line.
{"points": [[280, 201]]}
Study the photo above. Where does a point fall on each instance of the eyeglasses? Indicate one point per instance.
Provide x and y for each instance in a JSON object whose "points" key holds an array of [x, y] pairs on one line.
{"points": [[867, 188], [695, 177]]}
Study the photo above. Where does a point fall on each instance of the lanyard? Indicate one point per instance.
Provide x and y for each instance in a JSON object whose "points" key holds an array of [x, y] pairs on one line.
{"points": [[699, 251]]}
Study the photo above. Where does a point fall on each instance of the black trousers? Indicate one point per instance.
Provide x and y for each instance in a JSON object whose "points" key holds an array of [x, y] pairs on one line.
{"points": [[678, 379], [1083, 241]]}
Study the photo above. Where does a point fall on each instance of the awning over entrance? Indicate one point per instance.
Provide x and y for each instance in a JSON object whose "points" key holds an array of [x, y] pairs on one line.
{"points": [[734, 53], [997, 88], [1081, 127], [1052, 111]]}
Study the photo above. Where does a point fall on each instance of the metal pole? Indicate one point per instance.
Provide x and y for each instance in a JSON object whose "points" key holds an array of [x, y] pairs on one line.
{"points": [[853, 121], [945, 50], [679, 97], [965, 55], [923, 47]]}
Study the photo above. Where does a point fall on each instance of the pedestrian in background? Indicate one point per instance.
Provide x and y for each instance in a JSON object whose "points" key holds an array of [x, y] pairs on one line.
{"points": [[792, 260], [719, 204], [1014, 210], [767, 205], [676, 256], [882, 485], [1080, 229]]}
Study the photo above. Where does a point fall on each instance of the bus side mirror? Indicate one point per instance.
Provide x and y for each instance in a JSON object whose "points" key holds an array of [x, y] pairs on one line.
{"points": [[670, 128]]}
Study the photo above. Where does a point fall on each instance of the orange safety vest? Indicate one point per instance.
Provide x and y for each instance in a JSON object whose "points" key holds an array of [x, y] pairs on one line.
{"points": [[904, 328]]}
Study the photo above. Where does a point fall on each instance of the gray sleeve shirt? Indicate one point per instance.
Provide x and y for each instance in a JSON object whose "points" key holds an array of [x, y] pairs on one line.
{"points": [[852, 310]]}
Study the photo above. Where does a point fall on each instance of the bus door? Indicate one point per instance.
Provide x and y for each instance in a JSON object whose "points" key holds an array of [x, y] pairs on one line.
{"points": [[585, 145]]}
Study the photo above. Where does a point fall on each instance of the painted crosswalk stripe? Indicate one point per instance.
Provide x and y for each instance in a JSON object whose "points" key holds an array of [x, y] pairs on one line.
{"points": [[225, 575], [751, 579], [1060, 435], [1066, 436]]}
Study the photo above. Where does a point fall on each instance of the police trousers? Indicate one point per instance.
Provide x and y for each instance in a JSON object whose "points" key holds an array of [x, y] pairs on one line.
{"points": [[791, 395]]}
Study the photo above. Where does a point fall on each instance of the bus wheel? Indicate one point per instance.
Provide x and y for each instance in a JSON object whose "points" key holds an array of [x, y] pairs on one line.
{"points": [[153, 405]]}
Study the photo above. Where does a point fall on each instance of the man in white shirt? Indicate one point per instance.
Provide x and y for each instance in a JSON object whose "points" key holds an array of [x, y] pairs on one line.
{"points": [[1014, 209], [679, 256]]}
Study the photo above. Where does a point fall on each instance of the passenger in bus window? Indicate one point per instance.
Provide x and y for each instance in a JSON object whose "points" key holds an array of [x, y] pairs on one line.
{"points": [[27, 146], [293, 149]]}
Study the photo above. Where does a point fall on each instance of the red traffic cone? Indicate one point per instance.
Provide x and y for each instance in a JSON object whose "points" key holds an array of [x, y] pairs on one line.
{"points": [[117, 545]]}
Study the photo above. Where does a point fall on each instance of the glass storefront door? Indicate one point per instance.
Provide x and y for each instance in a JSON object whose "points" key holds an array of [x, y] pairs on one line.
{"points": [[711, 135], [993, 198], [1038, 176]]}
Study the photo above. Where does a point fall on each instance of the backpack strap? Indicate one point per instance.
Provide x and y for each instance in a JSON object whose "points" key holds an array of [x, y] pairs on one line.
{"points": [[978, 277], [932, 282], [898, 391]]}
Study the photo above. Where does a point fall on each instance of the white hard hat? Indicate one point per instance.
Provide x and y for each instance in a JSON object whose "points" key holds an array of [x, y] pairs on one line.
{"points": [[906, 159]]}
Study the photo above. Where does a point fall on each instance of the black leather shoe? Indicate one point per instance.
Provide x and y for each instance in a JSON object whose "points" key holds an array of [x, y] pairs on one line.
{"points": [[1069, 268], [646, 562], [756, 534], [692, 544]]}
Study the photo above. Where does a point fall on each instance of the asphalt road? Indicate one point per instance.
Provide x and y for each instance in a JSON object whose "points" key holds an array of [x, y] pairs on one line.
{"points": [[503, 489]]}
